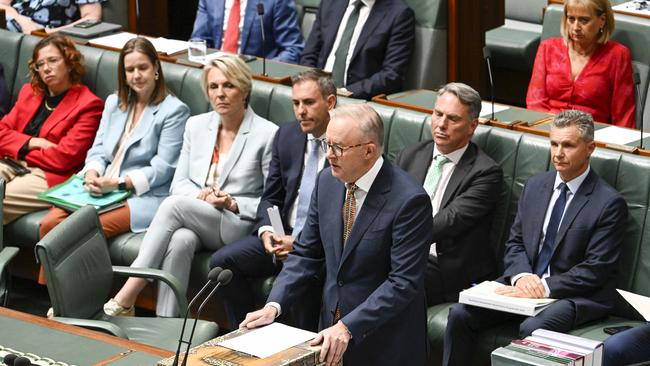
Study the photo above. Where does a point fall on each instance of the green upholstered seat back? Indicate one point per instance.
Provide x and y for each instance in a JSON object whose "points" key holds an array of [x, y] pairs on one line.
{"points": [[77, 265], [106, 81], [27, 44], [9, 58]]}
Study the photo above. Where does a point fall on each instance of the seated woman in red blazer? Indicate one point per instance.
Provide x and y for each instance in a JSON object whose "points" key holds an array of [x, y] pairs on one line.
{"points": [[50, 128], [583, 69]]}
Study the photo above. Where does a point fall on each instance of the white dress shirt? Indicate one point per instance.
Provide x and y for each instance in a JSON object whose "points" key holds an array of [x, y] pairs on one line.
{"points": [[447, 170], [364, 12]]}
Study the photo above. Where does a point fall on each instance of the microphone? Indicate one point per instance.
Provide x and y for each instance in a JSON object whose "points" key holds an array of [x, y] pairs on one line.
{"points": [[487, 55], [213, 276], [22, 361], [10, 359], [639, 114], [224, 278], [260, 12]]}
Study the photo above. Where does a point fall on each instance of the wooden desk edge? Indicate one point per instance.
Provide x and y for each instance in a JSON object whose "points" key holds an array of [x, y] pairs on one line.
{"points": [[85, 333]]}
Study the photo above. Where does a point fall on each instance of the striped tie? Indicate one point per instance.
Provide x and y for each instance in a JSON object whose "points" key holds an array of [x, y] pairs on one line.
{"points": [[349, 211]]}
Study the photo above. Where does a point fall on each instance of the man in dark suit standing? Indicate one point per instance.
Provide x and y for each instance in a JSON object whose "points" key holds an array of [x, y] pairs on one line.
{"points": [[366, 44], [464, 185], [297, 157], [369, 226], [564, 244]]}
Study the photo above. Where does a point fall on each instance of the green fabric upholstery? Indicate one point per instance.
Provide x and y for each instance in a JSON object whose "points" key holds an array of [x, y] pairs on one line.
{"points": [[10, 45], [260, 99], [106, 81], [80, 276], [280, 105], [27, 44]]}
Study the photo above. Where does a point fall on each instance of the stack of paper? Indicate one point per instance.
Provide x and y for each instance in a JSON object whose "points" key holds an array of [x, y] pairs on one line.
{"points": [[162, 45], [483, 295]]}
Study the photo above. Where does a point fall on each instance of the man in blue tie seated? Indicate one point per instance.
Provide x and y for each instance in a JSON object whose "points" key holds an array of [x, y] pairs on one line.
{"points": [[234, 26], [464, 185], [564, 244], [369, 225], [297, 158], [366, 44]]}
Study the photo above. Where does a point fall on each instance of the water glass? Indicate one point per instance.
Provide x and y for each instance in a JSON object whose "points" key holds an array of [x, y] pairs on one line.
{"points": [[196, 50]]}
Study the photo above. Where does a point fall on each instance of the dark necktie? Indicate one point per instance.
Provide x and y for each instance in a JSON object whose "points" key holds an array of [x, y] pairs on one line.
{"points": [[544, 256], [307, 186], [341, 55]]}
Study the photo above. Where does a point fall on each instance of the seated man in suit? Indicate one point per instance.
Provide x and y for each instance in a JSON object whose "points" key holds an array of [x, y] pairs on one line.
{"points": [[464, 185], [366, 44], [369, 227], [564, 244], [234, 26], [296, 160]]}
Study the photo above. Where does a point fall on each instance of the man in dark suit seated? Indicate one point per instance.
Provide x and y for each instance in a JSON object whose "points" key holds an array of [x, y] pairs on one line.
{"points": [[297, 157], [366, 44], [234, 26], [464, 185], [369, 226], [564, 244]]}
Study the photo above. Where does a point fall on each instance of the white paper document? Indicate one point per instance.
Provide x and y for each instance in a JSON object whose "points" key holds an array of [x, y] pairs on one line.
{"points": [[163, 45], [483, 295], [636, 7], [618, 135], [276, 220], [269, 340], [639, 302], [486, 108]]}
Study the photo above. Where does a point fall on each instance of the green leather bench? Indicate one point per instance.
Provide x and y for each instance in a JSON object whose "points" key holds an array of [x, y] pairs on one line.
{"points": [[520, 155]]}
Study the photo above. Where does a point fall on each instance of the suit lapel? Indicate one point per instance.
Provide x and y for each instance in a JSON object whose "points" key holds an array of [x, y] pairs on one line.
{"points": [[62, 110], [422, 158], [460, 172], [539, 214], [577, 203], [375, 17], [205, 148], [296, 156], [144, 125], [238, 146], [114, 131], [338, 10], [335, 219], [372, 206], [218, 9], [249, 21]]}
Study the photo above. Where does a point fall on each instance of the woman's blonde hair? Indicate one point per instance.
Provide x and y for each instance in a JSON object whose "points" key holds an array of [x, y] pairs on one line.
{"points": [[598, 7], [234, 69]]}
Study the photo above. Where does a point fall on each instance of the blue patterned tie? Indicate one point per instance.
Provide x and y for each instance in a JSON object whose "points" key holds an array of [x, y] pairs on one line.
{"points": [[307, 186], [544, 256]]}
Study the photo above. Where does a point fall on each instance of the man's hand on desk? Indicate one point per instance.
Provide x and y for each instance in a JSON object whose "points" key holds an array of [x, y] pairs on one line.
{"points": [[334, 341], [264, 316]]}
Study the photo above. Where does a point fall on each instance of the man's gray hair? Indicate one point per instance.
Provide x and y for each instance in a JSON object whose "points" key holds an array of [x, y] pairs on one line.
{"points": [[368, 120], [322, 78], [582, 120], [467, 96]]}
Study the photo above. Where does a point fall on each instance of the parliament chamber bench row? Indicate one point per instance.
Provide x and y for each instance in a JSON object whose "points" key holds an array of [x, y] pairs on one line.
{"points": [[521, 155]]}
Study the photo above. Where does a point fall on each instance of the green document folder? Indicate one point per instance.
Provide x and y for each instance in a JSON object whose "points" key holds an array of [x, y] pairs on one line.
{"points": [[71, 196]]}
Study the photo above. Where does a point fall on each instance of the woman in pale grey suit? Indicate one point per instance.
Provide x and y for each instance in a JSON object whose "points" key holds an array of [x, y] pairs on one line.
{"points": [[216, 189]]}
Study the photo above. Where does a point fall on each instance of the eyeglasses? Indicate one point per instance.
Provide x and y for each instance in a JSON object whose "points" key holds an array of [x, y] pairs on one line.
{"points": [[50, 61], [337, 149]]}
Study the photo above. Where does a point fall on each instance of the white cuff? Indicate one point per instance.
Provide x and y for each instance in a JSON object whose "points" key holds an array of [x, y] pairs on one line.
{"points": [[276, 306], [93, 165], [547, 291], [263, 229], [514, 279], [139, 181]]}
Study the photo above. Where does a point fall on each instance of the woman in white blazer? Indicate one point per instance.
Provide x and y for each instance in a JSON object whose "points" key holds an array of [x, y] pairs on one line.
{"points": [[137, 145], [216, 188]]}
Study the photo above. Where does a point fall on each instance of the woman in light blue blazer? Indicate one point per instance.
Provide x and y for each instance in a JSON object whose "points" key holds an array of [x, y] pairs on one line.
{"points": [[216, 188], [137, 145]]}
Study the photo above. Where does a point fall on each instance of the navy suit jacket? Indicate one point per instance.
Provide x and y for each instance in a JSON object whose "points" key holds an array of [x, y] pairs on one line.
{"points": [[283, 38], [285, 173], [463, 222], [584, 264], [377, 279], [383, 51]]}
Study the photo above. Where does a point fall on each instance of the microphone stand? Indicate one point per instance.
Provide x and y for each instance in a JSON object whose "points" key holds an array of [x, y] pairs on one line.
{"points": [[637, 81], [224, 279], [487, 56], [260, 12]]}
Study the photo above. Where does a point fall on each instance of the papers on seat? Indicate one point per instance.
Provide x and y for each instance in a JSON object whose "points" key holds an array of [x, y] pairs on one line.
{"points": [[486, 108], [639, 302], [269, 340], [636, 7], [162, 45], [483, 295], [618, 135]]}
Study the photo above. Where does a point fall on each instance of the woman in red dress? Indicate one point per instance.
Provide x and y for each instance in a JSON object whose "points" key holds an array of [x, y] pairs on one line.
{"points": [[584, 69]]}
